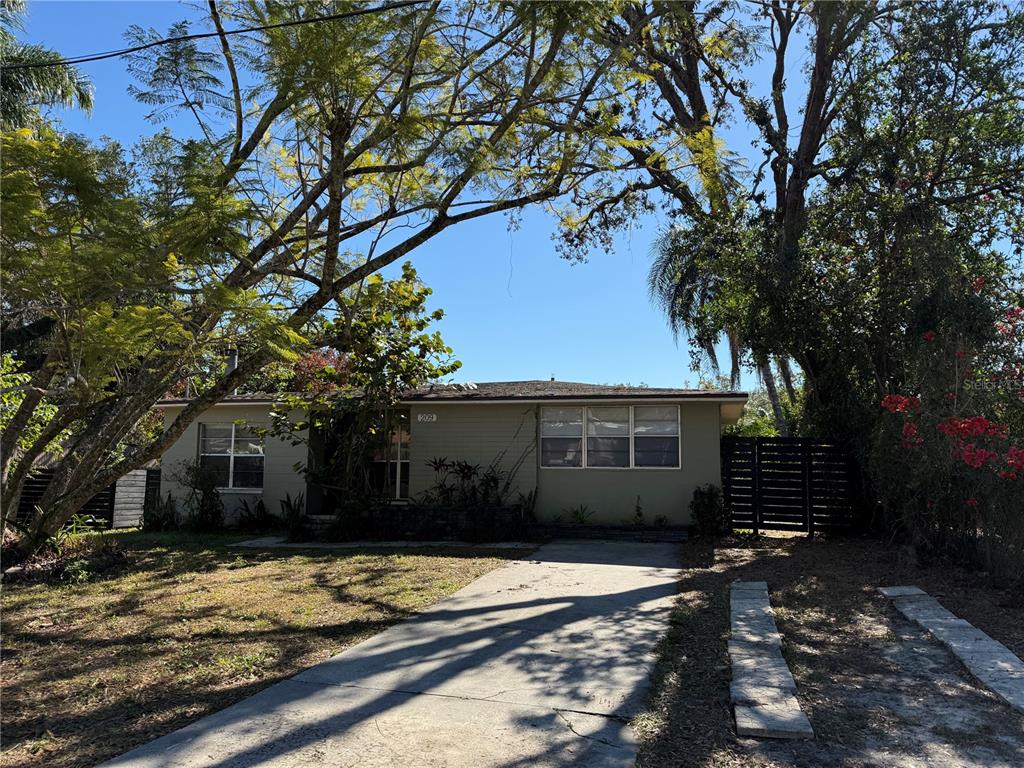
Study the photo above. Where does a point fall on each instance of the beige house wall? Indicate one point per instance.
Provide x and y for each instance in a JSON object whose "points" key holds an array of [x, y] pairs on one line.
{"points": [[479, 433], [611, 495], [473, 432], [280, 477]]}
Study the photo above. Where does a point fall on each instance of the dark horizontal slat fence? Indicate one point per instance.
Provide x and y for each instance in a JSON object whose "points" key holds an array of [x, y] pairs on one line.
{"points": [[100, 506], [788, 483]]}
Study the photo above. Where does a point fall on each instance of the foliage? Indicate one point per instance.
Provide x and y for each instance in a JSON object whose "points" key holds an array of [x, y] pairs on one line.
{"points": [[466, 486], [24, 91], [256, 517], [294, 513], [204, 505], [161, 515], [708, 514], [947, 458], [346, 146], [381, 347], [581, 514]]}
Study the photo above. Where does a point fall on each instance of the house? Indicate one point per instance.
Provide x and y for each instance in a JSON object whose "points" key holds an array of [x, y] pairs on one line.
{"points": [[605, 448]]}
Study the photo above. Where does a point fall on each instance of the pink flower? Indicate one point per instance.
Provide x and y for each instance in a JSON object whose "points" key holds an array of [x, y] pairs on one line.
{"points": [[928, 336], [978, 284], [971, 502]]}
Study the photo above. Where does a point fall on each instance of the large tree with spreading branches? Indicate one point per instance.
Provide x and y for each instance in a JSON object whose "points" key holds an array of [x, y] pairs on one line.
{"points": [[325, 152]]}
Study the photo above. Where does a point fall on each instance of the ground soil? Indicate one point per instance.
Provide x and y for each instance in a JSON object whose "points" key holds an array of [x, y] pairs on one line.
{"points": [[877, 690], [186, 625]]}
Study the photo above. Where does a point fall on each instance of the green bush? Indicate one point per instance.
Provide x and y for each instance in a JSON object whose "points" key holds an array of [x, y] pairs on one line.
{"points": [[204, 504], [160, 515], [256, 517], [708, 515], [294, 513]]}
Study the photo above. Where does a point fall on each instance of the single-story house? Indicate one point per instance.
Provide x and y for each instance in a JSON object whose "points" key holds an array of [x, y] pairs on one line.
{"points": [[599, 447]]}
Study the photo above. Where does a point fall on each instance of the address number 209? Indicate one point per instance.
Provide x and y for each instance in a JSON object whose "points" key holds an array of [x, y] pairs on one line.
{"points": [[426, 417]]}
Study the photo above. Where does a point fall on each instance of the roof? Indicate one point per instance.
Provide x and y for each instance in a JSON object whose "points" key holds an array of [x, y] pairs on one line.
{"points": [[532, 390], [558, 390]]}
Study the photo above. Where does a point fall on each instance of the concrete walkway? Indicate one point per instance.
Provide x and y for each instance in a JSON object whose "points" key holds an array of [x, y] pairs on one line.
{"points": [[988, 660], [538, 663]]}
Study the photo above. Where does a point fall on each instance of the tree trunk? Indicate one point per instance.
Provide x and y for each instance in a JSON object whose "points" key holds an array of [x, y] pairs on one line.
{"points": [[782, 363], [765, 369]]}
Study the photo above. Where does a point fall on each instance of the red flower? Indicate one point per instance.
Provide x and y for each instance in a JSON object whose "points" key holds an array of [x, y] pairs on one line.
{"points": [[900, 403], [910, 436], [960, 354], [971, 502], [928, 336], [1015, 458], [976, 457], [978, 284]]}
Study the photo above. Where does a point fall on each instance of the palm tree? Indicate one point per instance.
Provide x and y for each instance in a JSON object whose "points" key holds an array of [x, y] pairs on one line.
{"points": [[683, 282], [23, 91]]}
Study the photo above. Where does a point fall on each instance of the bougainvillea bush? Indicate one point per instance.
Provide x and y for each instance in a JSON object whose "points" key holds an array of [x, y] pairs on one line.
{"points": [[948, 460]]}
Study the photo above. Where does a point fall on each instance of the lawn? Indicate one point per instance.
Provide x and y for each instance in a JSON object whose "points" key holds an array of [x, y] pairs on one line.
{"points": [[876, 689], [187, 625]]}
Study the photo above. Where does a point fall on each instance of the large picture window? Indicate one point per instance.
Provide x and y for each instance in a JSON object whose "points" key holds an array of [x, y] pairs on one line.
{"points": [[610, 436], [233, 453]]}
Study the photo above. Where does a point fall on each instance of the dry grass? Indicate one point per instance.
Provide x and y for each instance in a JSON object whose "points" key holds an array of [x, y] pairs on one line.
{"points": [[187, 627], [877, 691]]}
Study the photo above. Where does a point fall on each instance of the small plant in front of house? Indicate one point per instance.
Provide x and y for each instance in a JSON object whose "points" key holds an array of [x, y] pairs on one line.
{"points": [[294, 513], [581, 515], [256, 517], [204, 504], [638, 514], [708, 514], [160, 515]]}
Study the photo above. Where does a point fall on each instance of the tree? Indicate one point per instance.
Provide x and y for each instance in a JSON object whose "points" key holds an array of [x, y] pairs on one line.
{"points": [[884, 84], [347, 145], [28, 80]]}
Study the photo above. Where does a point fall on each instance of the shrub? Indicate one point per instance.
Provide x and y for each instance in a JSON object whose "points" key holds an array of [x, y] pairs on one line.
{"points": [[160, 515], [708, 515], [294, 512], [256, 517], [204, 504]]}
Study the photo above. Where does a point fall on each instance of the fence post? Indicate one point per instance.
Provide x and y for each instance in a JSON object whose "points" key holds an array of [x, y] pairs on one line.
{"points": [[805, 446], [757, 487]]}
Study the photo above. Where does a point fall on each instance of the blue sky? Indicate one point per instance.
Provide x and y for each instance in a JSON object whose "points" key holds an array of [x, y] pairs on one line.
{"points": [[514, 309]]}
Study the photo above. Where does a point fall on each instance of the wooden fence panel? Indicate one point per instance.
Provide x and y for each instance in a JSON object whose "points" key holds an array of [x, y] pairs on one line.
{"points": [[788, 483]]}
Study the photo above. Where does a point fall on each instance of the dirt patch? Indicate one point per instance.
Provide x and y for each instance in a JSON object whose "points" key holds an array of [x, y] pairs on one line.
{"points": [[188, 626], [877, 690]]}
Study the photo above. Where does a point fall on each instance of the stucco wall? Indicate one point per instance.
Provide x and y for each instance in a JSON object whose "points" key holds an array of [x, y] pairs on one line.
{"points": [[611, 494], [479, 432], [279, 474], [476, 433]]}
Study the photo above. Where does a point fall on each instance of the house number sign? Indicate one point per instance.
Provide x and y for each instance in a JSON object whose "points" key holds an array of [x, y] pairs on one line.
{"points": [[426, 417]]}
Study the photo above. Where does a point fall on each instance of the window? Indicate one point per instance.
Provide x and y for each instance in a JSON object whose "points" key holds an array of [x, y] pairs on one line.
{"points": [[233, 453], [389, 470], [617, 437], [608, 436], [656, 436], [561, 437]]}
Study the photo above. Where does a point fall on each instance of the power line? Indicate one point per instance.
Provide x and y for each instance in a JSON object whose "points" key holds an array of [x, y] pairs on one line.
{"points": [[203, 35]]}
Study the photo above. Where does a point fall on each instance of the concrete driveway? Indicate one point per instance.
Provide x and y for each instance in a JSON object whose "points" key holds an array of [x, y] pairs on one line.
{"points": [[538, 663]]}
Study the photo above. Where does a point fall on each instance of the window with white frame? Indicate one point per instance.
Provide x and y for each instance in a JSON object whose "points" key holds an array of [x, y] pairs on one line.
{"points": [[233, 453], [610, 436], [656, 436], [561, 437]]}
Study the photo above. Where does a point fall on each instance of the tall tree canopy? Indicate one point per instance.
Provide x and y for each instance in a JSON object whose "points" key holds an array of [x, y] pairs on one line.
{"points": [[327, 151]]}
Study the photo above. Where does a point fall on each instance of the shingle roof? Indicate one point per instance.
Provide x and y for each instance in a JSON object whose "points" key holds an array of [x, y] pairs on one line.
{"points": [[555, 390], [537, 389]]}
